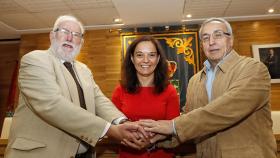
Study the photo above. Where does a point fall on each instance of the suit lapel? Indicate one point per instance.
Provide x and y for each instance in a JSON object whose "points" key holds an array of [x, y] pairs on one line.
{"points": [[68, 85], [71, 85], [83, 77], [65, 80]]}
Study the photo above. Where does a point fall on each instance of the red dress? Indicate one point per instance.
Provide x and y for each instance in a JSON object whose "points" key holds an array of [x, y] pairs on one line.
{"points": [[147, 105]]}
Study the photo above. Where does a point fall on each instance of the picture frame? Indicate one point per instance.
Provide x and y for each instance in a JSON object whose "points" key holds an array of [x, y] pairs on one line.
{"points": [[269, 54]]}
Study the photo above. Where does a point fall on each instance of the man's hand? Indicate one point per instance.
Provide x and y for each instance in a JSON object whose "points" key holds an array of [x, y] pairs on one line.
{"points": [[128, 131], [142, 142], [122, 131], [157, 137], [161, 127], [142, 138]]}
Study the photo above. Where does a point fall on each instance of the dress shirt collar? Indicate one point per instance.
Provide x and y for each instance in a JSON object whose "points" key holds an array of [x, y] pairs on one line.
{"points": [[223, 65]]}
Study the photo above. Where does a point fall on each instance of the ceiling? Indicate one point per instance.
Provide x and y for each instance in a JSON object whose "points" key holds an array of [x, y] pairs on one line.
{"points": [[33, 16]]}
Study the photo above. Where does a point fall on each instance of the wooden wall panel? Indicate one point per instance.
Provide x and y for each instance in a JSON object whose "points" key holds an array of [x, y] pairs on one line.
{"points": [[248, 33], [8, 57], [113, 61], [33, 42], [102, 53], [255, 32]]}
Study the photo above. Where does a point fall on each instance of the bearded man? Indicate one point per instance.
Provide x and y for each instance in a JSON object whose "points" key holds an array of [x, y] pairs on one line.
{"points": [[62, 113]]}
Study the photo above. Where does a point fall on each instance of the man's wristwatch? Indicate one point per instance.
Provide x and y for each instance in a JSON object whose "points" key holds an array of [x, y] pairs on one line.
{"points": [[123, 121]]}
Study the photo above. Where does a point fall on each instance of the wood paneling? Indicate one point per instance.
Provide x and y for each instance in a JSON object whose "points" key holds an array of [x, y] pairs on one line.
{"points": [[247, 33], [102, 53], [3, 144], [8, 58]]}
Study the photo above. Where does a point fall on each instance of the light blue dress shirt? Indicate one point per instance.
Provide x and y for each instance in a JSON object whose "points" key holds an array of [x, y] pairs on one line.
{"points": [[210, 76]]}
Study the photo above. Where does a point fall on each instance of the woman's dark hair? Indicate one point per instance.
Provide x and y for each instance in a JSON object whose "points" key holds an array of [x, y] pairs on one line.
{"points": [[129, 79]]}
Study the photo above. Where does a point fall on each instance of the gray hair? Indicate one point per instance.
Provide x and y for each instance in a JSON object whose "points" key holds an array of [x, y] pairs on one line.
{"points": [[68, 18], [221, 20]]}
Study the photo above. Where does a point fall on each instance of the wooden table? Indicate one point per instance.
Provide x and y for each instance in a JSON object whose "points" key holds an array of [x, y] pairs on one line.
{"points": [[3, 144]]}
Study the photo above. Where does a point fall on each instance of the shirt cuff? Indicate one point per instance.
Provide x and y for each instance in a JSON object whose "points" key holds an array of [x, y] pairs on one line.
{"points": [[105, 130], [118, 120], [115, 122]]}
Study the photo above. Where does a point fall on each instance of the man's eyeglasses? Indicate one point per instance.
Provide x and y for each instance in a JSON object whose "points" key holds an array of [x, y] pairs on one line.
{"points": [[67, 32], [218, 34]]}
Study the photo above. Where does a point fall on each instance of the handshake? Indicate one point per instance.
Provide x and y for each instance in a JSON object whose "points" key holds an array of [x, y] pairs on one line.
{"points": [[141, 134]]}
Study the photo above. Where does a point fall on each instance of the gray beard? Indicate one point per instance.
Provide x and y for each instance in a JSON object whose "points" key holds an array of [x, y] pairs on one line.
{"points": [[59, 52]]}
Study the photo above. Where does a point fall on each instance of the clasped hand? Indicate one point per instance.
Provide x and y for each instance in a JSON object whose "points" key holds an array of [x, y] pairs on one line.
{"points": [[145, 133]]}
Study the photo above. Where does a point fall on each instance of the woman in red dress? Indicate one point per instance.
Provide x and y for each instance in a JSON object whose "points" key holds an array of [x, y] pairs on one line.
{"points": [[145, 92]]}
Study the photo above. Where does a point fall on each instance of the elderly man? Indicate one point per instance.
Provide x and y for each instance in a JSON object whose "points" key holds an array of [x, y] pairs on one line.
{"points": [[228, 103], [62, 113]]}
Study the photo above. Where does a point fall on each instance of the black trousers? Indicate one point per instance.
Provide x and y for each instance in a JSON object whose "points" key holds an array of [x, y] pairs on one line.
{"points": [[83, 155]]}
